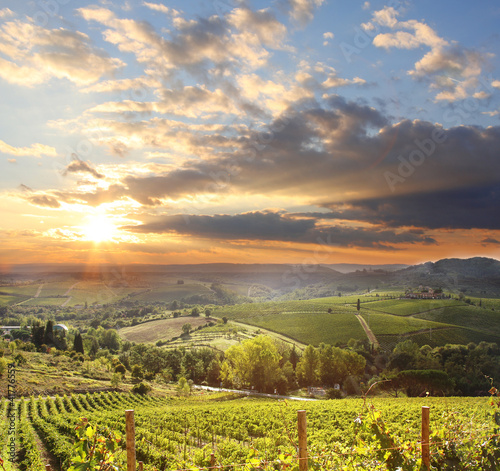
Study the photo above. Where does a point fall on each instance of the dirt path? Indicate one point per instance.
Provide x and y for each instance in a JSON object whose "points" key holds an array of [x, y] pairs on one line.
{"points": [[39, 291], [47, 457], [70, 288], [67, 294], [368, 331]]}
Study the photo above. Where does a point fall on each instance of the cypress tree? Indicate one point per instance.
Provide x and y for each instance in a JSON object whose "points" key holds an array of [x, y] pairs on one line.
{"points": [[78, 345]]}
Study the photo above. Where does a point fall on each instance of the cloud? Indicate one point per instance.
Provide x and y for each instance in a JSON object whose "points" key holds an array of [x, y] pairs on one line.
{"points": [[261, 24], [450, 69], [202, 47], [6, 13], [342, 151], [44, 201], [466, 207], [334, 81], [302, 11], [80, 166], [35, 150], [138, 86], [38, 54], [188, 101], [490, 241], [157, 7], [276, 226]]}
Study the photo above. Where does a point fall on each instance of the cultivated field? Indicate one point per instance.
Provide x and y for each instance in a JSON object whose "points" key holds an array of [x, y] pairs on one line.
{"points": [[182, 433]]}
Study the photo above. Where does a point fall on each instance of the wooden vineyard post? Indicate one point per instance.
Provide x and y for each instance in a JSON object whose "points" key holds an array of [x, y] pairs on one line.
{"points": [[302, 429], [212, 460], [48, 468], [141, 466], [426, 456], [130, 439]]}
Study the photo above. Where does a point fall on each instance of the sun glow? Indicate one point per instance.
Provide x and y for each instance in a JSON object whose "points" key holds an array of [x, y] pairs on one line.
{"points": [[99, 229]]}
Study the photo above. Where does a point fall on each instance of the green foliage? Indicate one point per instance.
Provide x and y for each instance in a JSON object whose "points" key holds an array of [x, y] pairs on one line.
{"points": [[95, 448], [254, 362], [141, 388]]}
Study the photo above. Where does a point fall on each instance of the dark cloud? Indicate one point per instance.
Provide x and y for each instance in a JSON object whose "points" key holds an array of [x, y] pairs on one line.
{"points": [[489, 241], [412, 173], [80, 166], [463, 208], [44, 200], [276, 226]]}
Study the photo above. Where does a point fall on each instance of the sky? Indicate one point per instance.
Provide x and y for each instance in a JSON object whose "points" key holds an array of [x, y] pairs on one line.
{"points": [[291, 131]]}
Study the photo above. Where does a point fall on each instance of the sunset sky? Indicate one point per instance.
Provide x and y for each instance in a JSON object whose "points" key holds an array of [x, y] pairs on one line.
{"points": [[292, 131]]}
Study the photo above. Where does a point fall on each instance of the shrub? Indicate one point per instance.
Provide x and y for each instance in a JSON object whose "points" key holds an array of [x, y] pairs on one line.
{"points": [[141, 388], [333, 393]]}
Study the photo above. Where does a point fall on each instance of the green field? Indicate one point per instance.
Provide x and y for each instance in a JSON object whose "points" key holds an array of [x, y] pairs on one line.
{"points": [[391, 320], [408, 307], [476, 318], [169, 293], [397, 325]]}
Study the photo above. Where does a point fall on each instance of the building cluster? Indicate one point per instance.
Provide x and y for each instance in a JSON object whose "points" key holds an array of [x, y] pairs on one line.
{"points": [[424, 292]]}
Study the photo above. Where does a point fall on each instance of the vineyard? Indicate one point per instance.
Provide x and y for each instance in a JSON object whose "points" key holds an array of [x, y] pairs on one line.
{"points": [[251, 433], [330, 320]]}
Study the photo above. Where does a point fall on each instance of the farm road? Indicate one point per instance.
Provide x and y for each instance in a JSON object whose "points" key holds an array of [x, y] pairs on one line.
{"points": [[67, 294], [39, 291], [368, 331]]}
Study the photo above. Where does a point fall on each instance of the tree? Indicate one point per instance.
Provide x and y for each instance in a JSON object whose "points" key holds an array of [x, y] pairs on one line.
{"points": [[116, 379], [94, 348], [186, 328], [48, 338], [419, 382], [195, 312], [3, 366], [358, 306], [208, 312], [111, 340], [224, 319], [78, 343], [183, 387], [38, 335], [255, 362], [307, 367], [137, 372]]}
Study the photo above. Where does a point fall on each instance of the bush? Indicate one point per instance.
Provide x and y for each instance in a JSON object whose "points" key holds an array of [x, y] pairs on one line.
{"points": [[141, 388], [333, 393]]}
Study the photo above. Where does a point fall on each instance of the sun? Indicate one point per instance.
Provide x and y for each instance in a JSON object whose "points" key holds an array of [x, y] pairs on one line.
{"points": [[99, 229]]}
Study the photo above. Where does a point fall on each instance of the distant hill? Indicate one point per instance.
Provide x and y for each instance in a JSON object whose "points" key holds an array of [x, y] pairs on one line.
{"points": [[352, 267], [473, 277], [478, 276]]}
